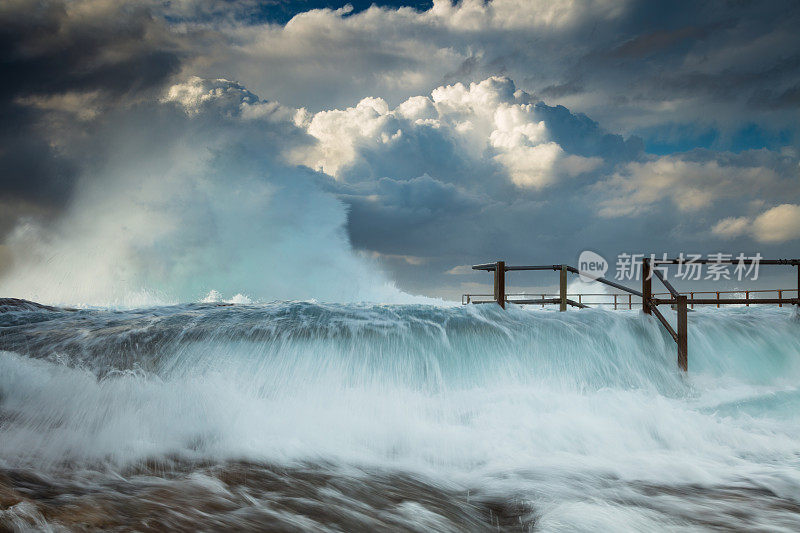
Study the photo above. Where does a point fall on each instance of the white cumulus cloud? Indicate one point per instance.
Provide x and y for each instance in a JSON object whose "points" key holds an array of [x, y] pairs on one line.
{"points": [[490, 120], [775, 225], [689, 184]]}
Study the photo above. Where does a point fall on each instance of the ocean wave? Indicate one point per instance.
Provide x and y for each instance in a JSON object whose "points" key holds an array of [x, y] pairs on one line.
{"points": [[539, 406]]}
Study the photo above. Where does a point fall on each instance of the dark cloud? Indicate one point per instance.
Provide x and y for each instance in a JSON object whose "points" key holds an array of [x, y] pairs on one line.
{"points": [[31, 169], [55, 47], [579, 134], [272, 11], [401, 216], [623, 64], [62, 65], [658, 42], [113, 97]]}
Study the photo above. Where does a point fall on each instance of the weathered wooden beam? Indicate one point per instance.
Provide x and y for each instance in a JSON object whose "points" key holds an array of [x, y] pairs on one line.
{"points": [[563, 288], [543, 301], [663, 321], [728, 261], [573, 303], [537, 301], [683, 333], [666, 283], [609, 283], [647, 286], [533, 267], [726, 301], [500, 283]]}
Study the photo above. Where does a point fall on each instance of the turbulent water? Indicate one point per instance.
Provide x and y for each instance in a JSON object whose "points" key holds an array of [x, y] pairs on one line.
{"points": [[302, 416]]}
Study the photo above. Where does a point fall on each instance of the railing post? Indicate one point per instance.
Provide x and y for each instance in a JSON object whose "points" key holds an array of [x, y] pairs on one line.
{"points": [[692, 295], [780, 296], [683, 337], [747, 297], [579, 299], [717, 299], [647, 286], [563, 288], [615, 302], [630, 301], [543, 297], [798, 285], [500, 283]]}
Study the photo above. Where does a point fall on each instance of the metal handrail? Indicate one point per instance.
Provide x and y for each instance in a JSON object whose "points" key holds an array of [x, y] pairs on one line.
{"points": [[649, 300], [512, 297]]}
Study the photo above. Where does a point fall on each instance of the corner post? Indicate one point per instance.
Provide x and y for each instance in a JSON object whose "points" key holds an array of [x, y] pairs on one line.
{"points": [[647, 286], [500, 283], [683, 334], [563, 289]]}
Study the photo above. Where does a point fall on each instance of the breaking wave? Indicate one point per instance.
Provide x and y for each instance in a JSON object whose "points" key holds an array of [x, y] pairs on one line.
{"points": [[312, 416]]}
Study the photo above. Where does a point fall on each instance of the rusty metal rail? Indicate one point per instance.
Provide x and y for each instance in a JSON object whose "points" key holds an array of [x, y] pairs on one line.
{"points": [[649, 301], [625, 301]]}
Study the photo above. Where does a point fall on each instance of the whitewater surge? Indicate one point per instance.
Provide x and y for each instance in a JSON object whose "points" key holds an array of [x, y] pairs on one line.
{"points": [[302, 416]]}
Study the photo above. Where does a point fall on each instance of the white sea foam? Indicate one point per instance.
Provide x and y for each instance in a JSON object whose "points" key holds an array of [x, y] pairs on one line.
{"points": [[538, 403]]}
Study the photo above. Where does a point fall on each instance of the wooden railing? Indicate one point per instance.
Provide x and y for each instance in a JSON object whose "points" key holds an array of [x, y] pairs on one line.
{"points": [[648, 300], [621, 301]]}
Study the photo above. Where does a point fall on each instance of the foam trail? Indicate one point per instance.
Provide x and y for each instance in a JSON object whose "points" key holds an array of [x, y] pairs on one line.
{"points": [[581, 417]]}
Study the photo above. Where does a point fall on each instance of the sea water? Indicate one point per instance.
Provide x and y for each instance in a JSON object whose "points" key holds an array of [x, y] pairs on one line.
{"points": [[298, 416]]}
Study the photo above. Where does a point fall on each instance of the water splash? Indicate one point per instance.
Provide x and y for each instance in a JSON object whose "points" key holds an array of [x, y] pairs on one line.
{"points": [[536, 406]]}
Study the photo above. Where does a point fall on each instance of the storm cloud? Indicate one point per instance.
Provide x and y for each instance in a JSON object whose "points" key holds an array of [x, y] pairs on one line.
{"points": [[63, 66], [411, 138]]}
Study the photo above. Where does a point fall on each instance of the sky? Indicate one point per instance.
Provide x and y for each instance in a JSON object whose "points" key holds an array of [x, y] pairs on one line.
{"points": [[158, 151]]}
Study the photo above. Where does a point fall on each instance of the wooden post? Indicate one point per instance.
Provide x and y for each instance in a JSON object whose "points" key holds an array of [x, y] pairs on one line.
{"points": [[798, 285], [683, 340], [543, 297], [647, 286], [747, 297], [500, 283], [717, 299], [692, 295], [780, 296], [615, 302], [630, 301], [563, 288]]}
